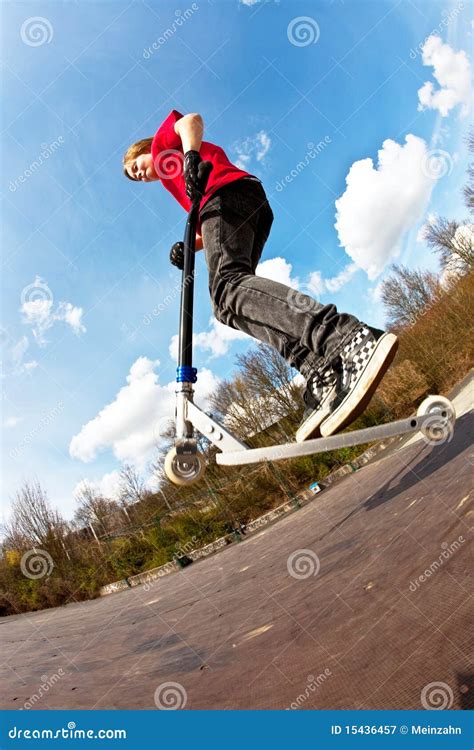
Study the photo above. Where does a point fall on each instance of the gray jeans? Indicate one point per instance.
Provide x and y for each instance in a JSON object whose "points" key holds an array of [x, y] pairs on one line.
{"points": [[235, 224]]}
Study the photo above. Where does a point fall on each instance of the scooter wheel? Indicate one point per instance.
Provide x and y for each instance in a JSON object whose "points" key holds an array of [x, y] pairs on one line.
{"points": [[184, 471], [442, 416]]}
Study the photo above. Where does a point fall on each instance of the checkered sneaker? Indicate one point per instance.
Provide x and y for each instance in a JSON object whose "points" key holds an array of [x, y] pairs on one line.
{"points": [[336, 395], [318, 397], [355, 356], [361, 365], [319, 389]]}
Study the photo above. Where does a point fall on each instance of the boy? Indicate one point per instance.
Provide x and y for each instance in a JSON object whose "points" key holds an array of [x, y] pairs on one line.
{"points": [[342, 359]]}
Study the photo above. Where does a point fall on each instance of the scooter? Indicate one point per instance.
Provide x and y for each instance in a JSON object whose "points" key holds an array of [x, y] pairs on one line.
{"points": [[184, 464]]}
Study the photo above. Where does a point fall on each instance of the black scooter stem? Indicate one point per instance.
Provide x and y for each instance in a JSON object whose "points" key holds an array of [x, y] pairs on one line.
{"points": [[185, 350]]}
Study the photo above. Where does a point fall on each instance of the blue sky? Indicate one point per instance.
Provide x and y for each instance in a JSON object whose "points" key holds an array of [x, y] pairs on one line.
{"points": [[88, 376]]}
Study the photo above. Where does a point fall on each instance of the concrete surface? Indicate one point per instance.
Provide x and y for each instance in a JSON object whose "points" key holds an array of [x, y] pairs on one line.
{"points": [[359, 600]]}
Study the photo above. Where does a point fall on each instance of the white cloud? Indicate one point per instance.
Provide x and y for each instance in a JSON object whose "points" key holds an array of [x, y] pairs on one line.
{"points": [[110, 484], [14, 352], [72, 316], [452, 72], [217, 340], [10, 422], [263, 145], [380, 204], [37, 310], [337, 282], [18, 351], [29, 365], [130, 424], [316, 283], [107, 486], [256, 146], [375, 292], [441, 134], [277, 269], [420, 235], [250, 2], [38, 314]]}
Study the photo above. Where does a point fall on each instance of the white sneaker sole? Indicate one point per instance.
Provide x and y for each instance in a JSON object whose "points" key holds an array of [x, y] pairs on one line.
{"points": [[310, 427], [357, 400]]}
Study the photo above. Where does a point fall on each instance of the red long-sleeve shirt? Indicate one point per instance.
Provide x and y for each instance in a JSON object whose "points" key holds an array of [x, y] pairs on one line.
{"points": [[168, 157]]}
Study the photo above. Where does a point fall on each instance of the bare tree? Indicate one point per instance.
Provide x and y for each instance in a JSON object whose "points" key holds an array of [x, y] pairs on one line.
{"points": [[407, 294], [269, 377], [235, 404], [263, 392], [453, 242], [132, 485], [92, 507], [468, 189], [34, 523]]}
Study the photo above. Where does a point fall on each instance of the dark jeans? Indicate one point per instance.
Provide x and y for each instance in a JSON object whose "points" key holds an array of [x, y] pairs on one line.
{"points": [[235, 223]]}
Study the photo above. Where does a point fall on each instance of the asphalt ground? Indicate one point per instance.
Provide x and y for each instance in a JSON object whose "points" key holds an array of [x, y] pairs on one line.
{"points": [[360, 600]]}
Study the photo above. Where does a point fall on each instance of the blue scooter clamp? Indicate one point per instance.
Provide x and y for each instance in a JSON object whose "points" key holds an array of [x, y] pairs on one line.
{"points": [[186, 374]]}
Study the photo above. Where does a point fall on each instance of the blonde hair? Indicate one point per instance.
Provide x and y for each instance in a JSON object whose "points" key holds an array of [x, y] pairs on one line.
{"points": [[136, 149]]}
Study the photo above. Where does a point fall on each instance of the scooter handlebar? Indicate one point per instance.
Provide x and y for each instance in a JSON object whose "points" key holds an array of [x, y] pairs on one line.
{"points": [[204, 170]]}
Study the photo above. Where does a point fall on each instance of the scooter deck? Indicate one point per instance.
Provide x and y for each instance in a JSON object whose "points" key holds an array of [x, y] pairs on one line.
{"points": [[322, 445]]}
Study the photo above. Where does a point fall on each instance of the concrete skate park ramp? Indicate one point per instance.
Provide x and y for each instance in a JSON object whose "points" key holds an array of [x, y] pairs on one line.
{"points": [[358, 600]]}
